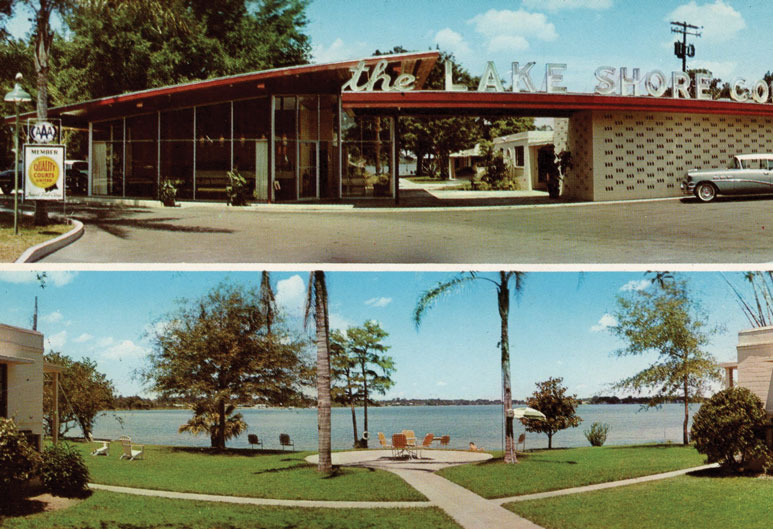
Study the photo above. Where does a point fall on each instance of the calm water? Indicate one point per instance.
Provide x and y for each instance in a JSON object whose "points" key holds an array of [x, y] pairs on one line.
{"points": [[628, 424]]}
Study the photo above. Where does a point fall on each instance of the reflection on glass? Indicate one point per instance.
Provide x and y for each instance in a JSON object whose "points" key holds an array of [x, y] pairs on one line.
{"points": [[367, 154]]}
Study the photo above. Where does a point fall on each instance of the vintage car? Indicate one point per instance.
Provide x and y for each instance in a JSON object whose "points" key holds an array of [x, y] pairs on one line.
{"points": [[749, 173]]}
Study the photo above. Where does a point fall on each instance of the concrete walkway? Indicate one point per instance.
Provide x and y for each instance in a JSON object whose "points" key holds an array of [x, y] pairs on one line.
{"points": [[466, 508], [602, 486], [242, 500]]}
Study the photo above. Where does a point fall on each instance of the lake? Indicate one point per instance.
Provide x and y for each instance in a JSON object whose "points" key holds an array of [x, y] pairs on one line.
{"points": [[628, 424]]}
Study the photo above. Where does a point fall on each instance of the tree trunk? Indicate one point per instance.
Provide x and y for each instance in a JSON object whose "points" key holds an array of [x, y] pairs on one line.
{"points": [[221, 425], [323, 372], [685, 435], [365, 403], [351, 404], [43, 40], [550, 441], [503, 291]]}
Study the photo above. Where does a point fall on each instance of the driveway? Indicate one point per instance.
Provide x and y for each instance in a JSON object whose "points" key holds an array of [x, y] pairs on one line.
{"points": [[527, 230]]}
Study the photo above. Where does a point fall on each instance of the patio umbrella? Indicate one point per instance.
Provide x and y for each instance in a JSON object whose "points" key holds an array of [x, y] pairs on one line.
{"points": [[528, 413]]}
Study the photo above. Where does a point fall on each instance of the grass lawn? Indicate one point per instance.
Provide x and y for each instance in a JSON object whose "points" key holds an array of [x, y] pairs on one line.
{"points": [[254, 473], [106, 510], [572, 467], [12, 246], [678, 503]]}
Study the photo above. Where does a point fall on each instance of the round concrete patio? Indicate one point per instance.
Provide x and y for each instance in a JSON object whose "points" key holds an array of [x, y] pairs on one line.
{"points": [[429, 460]]}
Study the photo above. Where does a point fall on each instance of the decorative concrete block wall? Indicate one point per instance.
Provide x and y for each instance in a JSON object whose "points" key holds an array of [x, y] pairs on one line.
{"points": [[626, 155]]}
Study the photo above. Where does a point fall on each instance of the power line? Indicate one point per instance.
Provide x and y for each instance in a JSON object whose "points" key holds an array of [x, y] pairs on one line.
{"points": [[682, 49]]}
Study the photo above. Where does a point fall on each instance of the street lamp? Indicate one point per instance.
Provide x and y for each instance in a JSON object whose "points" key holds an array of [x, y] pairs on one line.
{"points": [[17, 95]]}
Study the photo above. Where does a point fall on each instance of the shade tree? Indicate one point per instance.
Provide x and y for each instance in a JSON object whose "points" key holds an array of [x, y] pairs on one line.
{"points": [[84, 393], [667, 321], [559, 408], [215, 353]]}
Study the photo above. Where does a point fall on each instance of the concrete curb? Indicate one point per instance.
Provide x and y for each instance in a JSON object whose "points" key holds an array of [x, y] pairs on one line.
{"points": [[602, 486], [327, 504], [43, 249], [311, 207]]}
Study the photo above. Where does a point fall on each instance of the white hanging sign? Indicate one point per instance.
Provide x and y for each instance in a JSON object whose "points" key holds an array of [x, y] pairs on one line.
{"points": [[44, 172]]}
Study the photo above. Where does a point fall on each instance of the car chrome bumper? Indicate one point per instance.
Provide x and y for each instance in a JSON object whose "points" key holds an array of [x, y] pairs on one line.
{"points": [[688, 188]]}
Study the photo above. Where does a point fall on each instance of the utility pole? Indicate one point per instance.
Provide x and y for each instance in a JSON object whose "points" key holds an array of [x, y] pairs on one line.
{"points": [[682, 49]]}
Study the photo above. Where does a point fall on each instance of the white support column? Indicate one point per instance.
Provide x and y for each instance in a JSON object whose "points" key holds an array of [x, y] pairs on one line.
{"points": [[91, 154]]}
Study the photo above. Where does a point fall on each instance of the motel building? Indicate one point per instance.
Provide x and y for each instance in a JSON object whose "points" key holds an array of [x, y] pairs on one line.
{"points": [[326, 132]]}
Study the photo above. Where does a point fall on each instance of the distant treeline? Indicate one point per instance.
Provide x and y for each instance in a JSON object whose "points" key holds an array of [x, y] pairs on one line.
{"points": [[135, 402], [607, 399], [438, 402]]}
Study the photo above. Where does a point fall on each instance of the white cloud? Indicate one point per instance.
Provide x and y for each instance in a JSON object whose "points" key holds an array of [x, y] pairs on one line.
{"points": [[339, 51], [126, 350], [441, 383], [606, 321], [83, 338], [719, 20], [378, 302], [53, 317], [291, 295], [508, 43], [635, 285], [105, 342], [56, 341], [57, 279], [725, 70], [510, 30], [451, 41], [557, 5], [338, 321]]}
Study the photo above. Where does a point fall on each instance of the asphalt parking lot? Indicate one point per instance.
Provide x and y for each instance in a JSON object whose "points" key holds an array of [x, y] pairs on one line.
{"points": [[727, 231]]}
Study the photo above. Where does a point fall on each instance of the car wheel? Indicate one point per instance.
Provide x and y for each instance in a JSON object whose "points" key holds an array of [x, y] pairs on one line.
{"points": [[706, 192]]}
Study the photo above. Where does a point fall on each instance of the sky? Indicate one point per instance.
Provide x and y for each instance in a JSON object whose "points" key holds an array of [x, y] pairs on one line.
{"points": [[558, 326], [583, 34]]}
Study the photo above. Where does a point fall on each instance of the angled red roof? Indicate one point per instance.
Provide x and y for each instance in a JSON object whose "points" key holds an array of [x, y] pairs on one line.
{"points": [[307, 78]]}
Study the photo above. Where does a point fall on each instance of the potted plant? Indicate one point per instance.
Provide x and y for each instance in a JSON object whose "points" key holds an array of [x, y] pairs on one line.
{"points": [[167, 192], [236, 190]]}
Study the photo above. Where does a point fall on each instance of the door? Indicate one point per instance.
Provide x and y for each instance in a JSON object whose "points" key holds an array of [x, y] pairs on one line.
{"points": [[261, 170], [308, 170]]}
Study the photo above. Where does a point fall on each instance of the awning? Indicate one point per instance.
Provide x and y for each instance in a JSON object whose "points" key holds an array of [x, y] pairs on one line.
{"points": [[15, 360]]}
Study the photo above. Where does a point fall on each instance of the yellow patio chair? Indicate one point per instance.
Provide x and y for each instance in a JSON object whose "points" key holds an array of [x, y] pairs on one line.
{"points": [[401, 446], [426, 443], [410, 437]]}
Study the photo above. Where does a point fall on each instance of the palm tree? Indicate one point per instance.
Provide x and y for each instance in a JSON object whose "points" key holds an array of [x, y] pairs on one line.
{"points": [[316, 294], [428, 299]]}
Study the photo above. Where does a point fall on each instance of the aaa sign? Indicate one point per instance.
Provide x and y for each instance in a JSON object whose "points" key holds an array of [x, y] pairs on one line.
{"points": [[44, 172]]}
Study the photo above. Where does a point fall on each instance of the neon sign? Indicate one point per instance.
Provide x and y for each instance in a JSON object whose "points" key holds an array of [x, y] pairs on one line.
{"points": [[611, 81]]}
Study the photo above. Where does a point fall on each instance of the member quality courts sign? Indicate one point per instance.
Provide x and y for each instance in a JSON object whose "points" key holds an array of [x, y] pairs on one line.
{"points": [[44, 172]]}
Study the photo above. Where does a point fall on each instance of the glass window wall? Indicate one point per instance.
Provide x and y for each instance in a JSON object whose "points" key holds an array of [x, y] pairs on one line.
{"points": [[177, 150], [367, 155], [142, 156], [107, 158], [213, 150]]}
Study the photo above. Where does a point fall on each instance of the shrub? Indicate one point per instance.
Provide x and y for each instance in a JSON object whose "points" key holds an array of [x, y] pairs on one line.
{"points": [[729, 429], [63, 471], [167, 191], [597, 434], [236, 190], [18, 460]]}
